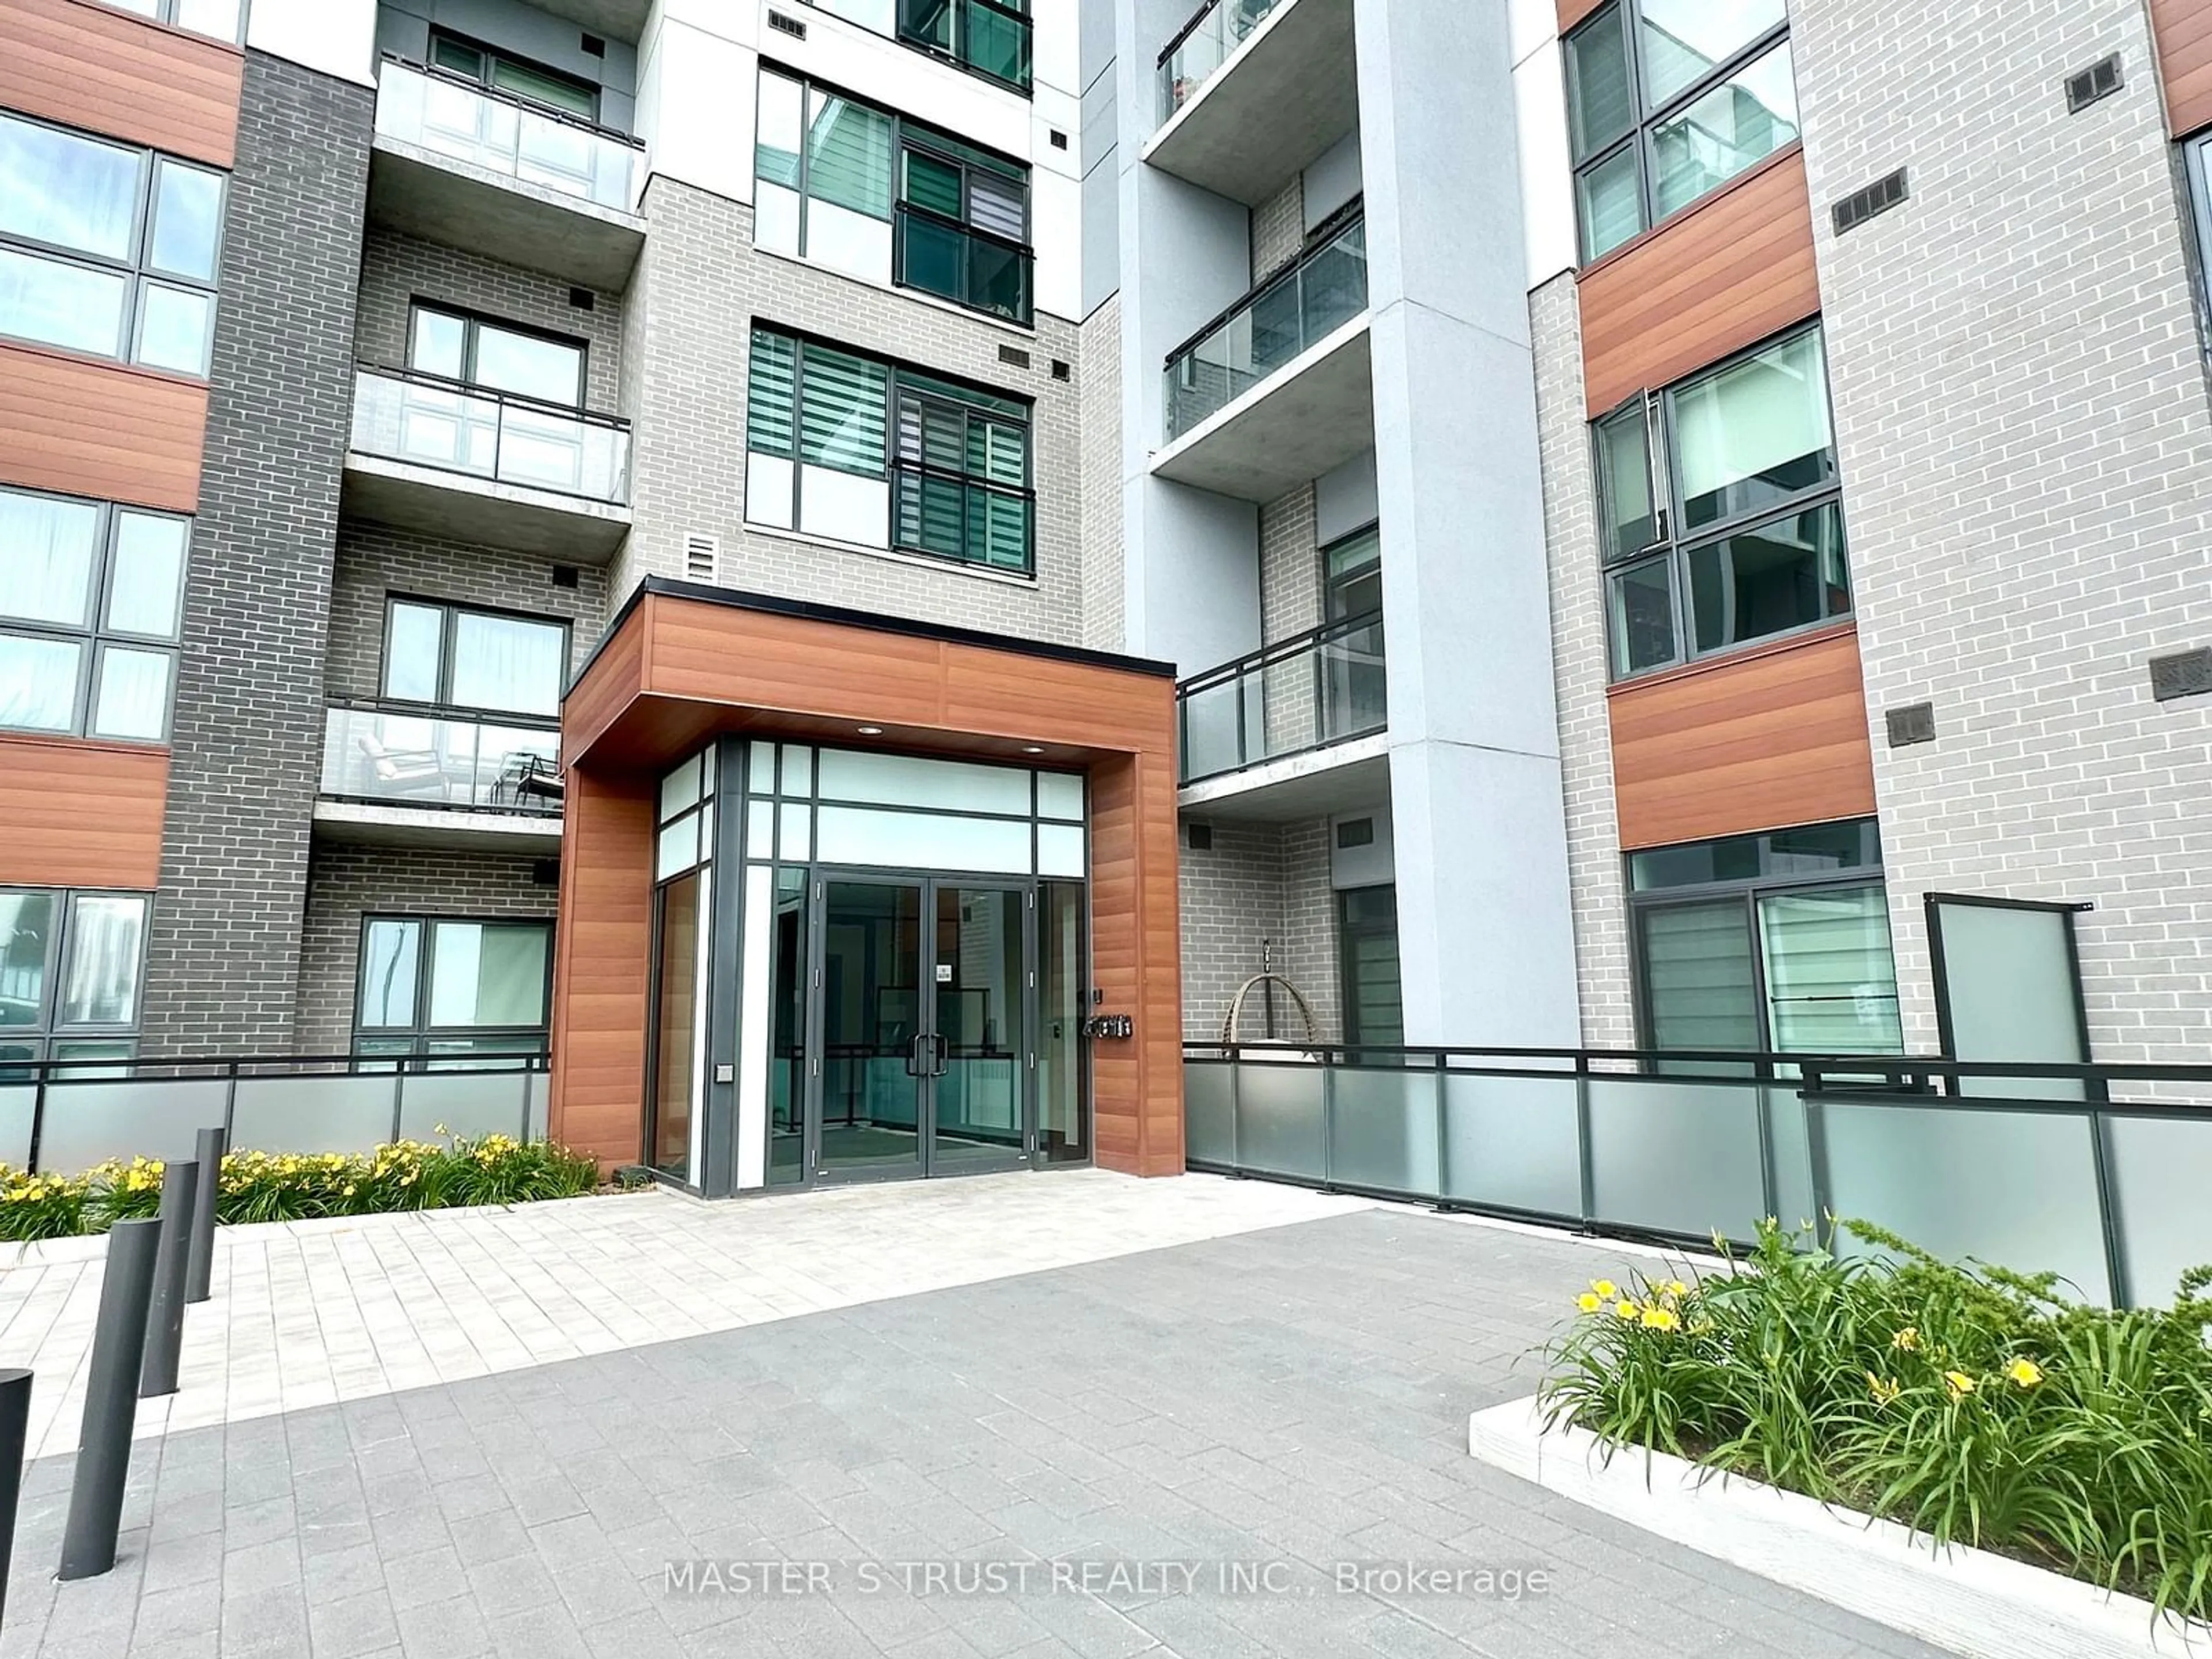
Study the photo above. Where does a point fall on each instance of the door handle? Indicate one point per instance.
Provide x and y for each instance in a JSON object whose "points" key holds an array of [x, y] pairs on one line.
{"points": [[917, 1065], [941, 1051]]}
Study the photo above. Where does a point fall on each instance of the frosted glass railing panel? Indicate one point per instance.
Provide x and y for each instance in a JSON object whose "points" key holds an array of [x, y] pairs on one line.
{"points": [[541, 1095], [1382, 1130], [1208, 1135], [1208, 46], [2162, 1172], [474, 125], [312, 1114], [89, 1123], [415, 760], [454, 429], [1679, 1158], [437, 1103], [1794, 1200], [1510, 1142], [1278, 1120], [18, 1107], [2017, 1188]]}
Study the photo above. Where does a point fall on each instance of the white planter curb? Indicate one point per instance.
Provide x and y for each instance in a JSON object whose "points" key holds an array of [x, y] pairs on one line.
{"points": [[1968, 1601]]}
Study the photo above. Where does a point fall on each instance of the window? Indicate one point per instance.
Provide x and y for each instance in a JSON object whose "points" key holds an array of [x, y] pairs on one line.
{"points": [[1351, 575], [90, 598], [991, 37], [948, 477], [451, 657], [1776, 942], [107, 249], [71, 970], [430, 985], [532, 82], [1720, 517], [225, 19], [497, 356], [1367, 935], [1667, 101], [885, 199]]}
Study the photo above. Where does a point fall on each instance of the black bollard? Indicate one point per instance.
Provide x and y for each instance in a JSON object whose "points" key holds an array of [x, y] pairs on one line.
{"points": [[165, 1317], [15, 1428], [200, 1269], [110, 1402]]}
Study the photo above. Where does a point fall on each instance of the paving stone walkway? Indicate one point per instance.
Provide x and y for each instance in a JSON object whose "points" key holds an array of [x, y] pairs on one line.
{"points": [[1180, 1446]]}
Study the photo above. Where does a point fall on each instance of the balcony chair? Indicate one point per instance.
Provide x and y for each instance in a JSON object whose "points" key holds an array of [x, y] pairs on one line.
{"points": [[404, 772]]}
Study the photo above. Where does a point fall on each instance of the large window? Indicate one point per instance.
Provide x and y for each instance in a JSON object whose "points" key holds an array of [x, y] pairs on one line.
{"points": [[519, 78], [1776, 942], [991, 37], [71, 966], [438, 987], [1667, 101], [497, 356], [1721, 515], [451, 657], [846, 446], [90, 595], [881, 198], [106, 248], [224, 19]]}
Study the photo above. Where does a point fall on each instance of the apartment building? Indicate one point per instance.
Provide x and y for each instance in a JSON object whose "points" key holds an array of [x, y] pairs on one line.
{"points": [[856, 571]]}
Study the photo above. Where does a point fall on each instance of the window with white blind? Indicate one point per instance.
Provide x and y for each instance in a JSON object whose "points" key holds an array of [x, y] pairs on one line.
{"points": [[71, 972]]}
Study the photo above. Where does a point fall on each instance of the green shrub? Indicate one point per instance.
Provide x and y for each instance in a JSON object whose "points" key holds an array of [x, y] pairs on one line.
{"points": [[1975, 1405], [407, 1175]]}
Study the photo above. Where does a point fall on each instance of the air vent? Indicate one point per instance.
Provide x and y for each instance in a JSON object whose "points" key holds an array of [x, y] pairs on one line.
{"points": [[545, 873], [1061, 371], [564, 575], [1913, 724], [2100, 80], [583, 299], [1355, 832], [790, 26], [1199, 836], [2188, 674], [594, 47], [1014, 357], [1877, 198], [702, 556], [1059, 139]]}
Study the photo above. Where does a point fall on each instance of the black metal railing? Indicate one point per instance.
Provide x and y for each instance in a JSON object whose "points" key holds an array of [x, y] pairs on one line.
{"points": [[2094, 1172], [1325, 686], [404, 414]]}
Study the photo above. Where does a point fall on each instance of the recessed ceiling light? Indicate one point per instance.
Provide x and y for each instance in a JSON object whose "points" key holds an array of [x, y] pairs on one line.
{"points": [[1033, 749], [871, 730]]}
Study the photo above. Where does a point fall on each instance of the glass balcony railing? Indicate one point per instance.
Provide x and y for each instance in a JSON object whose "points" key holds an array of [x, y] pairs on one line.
{"points": [[399, 759], [1326, 289], [1306, 692], [449, 115], [1205, 45], [404, 417]]}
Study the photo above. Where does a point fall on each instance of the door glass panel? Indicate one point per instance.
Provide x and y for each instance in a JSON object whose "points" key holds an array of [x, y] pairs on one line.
{"points": [[677, 983], [1831, 984], [979, 974], [1063, 1127], [871, 950], [1374, 1000], [1698, 969], [786, 1126]]}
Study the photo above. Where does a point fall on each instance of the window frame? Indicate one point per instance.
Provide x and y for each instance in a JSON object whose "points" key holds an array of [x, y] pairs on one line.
{"points": [[908, 134], [137, 270], [165, 13], [1648, 118], [492, 55], [892, 465], [93, 638], [957, 53], [1671, 544], [44, 1034], [449, 631], [419, 1031], [473, 323]]}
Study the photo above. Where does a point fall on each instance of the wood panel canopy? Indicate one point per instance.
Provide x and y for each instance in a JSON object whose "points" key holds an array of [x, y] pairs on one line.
{"points": [[1766, 740], [1715, 278], [90, 66], [81, 814], [2183, 29], [684, 663], [82, 428]]}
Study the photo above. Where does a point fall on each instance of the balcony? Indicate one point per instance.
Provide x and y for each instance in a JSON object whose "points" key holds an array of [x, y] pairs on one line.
{"points": [[401, 779], [1252, 92], [458, 163], [1295, 730], [457, 461], [1280, 390]]}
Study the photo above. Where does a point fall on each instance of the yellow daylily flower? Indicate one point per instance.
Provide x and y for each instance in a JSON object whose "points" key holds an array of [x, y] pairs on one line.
{"points": [[1907, 1341], [1624, 1309], [1590, 1302], [1960, 1384], [1657, 1318], [1604, 1289], [2024, 1372], [1884, 1389]]}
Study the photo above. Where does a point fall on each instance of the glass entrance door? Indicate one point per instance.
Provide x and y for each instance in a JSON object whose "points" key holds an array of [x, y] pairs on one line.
{"points": [[925, 1013]]}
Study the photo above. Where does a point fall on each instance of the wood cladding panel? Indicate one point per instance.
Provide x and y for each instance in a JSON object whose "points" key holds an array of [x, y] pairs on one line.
{"points": [[1760, 743], [1572, 12], [2184, 31], [76, 814], [81, 428], [90, 66], [602, 967], [1719, 278]]}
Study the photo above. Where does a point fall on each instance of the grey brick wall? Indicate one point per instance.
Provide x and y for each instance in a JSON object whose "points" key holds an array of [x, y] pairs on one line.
{"points": [[1278, 229], [703, 286], [1578, 658], [2020, 407], [347, 883], [223, 957], [1310, 954], [375, 561], [396, 271], [1258, 885], [1099, 407], [1290, 566]]}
